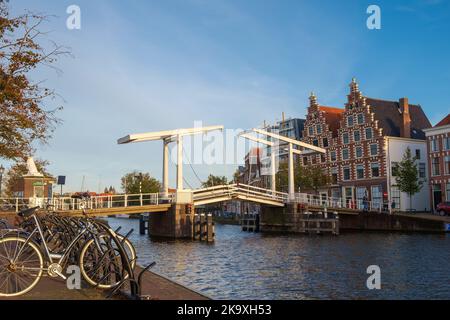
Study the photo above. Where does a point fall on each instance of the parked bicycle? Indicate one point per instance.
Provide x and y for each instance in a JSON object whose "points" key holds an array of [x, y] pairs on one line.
{"points": [[49, 244]]}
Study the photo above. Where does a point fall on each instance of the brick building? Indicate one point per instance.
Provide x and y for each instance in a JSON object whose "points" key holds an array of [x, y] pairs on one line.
{"points": [[251, 173], [33, 184], [356, 140], [291, 128], [438, 139]]}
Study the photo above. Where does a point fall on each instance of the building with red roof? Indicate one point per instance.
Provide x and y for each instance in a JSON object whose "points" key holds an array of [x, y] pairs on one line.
{"points": [[364, 142], [438, 142]]}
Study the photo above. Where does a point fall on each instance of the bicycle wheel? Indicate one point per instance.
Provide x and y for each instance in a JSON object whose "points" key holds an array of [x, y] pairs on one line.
{"points": [[21, 266], [101, 265]]}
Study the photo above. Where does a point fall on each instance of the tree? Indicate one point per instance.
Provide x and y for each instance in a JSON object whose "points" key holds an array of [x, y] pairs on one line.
{"points": [[407, 179], [313, 178], [307, 178], [131, 183], [281, 177], [110, 190], [214, 181], [236, 176], [18, 170], [25, 116]]}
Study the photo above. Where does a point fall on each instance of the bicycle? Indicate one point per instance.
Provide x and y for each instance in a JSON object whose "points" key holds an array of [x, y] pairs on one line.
{"points": [[25, 256]]}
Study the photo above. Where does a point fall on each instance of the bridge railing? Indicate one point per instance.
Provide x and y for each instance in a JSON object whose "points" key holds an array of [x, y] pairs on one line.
{"points": [[94, 202], [239, 189], [261, 192], [331, 202]]}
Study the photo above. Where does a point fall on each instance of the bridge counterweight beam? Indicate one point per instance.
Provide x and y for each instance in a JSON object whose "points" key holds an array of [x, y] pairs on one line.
{"points": [[179, 162], [291, 173], [272, 167], [165, 173]]}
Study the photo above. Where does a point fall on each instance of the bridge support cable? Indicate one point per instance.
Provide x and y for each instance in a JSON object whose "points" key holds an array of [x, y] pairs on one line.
{"points": [[192, 168]]}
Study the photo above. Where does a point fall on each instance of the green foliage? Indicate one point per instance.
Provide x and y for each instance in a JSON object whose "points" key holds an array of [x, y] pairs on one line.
{"points": [[131, 182], [110, 190], [407, 179], [312, 178], [214, 181], [307, 178], [25, 116]]}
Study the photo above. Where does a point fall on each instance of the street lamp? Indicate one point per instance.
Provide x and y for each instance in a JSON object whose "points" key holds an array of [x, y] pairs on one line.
{"points": [[2, 170], [139, 176]]}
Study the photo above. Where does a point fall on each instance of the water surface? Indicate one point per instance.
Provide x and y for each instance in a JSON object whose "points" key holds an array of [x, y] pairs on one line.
{"points": [[241, 265]]}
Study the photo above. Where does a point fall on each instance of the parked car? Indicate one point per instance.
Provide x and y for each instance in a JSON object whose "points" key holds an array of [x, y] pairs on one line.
{"points": [[443, 208]]}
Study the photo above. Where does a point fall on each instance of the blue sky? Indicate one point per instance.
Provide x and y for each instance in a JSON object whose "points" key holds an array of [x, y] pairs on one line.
{"points": [[143, 66]]}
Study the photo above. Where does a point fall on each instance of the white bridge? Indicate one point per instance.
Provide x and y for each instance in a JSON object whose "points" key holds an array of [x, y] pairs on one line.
{"points": [[245, 192]]}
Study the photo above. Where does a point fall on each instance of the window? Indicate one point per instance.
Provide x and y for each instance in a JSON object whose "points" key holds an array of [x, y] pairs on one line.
{"points": [[334, 175], [434, 145], [345, 154], [357, 135], [350, 121], [361, 193], [435, 167], [373, 149], [313, 159], [447, 191], [422, 170], [360, 171], [346, 173], [395, 196], [447, 164], [319, 129], [375, 169], [417, 154], [325, 142], [446, 143], [345, 139], [322, 158], [360, 118], [333, 155], [305, 161], [394, 170], [311, 131], [316, 142], [377, 197], [369, 134], [359, 152]]}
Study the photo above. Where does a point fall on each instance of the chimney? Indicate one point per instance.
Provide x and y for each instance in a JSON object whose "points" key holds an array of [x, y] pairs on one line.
{"points": [[405, 124]]}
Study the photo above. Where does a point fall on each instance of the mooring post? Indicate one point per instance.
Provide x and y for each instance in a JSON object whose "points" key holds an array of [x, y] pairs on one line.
{"points": [[197, 227], [141, 224], [203, 232], [210, 228], [337, 223]]}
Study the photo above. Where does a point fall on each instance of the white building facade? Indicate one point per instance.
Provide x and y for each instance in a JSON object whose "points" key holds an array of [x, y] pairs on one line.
{"points": [[395, 150]]}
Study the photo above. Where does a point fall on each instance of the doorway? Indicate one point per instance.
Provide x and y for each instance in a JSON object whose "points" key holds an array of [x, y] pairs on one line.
{"points": [[437, 195]]}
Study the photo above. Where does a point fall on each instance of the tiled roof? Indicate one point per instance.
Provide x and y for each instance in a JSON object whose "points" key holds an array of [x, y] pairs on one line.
{"points": [[389, 116], [333, 117], [444, 122]]}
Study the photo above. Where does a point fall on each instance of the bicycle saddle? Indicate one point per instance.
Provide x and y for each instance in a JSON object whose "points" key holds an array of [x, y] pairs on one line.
{"points": [[27, 212]]}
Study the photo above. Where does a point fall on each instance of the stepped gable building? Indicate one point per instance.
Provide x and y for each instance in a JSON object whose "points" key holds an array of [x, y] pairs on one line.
{"points": [[355, 138], [438, 139]]}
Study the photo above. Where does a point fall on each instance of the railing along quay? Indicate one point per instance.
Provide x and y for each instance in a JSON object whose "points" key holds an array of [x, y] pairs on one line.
{"points": [[340, 203], [92, 203]]}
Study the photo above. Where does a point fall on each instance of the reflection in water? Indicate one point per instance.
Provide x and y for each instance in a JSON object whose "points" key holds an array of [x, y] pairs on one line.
{"points": [[241, 265]]}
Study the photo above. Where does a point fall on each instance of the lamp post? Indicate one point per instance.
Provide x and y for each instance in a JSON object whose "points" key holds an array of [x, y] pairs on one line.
{"points": [[2, 170], [139, 177]]}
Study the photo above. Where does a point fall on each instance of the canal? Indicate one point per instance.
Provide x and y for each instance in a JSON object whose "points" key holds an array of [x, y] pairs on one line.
{"points": [[242, 265]]}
